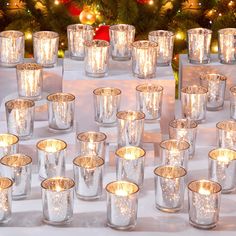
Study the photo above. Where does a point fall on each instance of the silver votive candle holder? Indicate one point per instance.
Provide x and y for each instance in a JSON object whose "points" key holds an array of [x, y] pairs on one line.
{"points": [[149, 100], [233, 102], [77, 34], [226, 134], [51, 158], [96, 58], [204, 203], [199, 41], [92, 143], [106, 105], [57, 200], [12, 48], [29, 80], [184, 129], [175, 153], [45, 44], [222, 168], [61, 111], [20, 117], [226, 41], [18, 167], [169, 188], [9, 144], [215, 84], [122, 205], [5, 199], [194, 102], [121, 38], [88, 175], [144, 58], [165, 41], [130, 163], [130, 128]]}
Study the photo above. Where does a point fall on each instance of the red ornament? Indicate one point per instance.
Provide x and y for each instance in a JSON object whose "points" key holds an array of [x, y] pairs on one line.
{"points": [[73, 9], [102, 33], [65, 1], [143, 1]]}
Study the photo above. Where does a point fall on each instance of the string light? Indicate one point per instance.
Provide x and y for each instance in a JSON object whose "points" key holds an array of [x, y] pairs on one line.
{"points": [[28, 35], [179, 35], [151, 2], [56, 2]]}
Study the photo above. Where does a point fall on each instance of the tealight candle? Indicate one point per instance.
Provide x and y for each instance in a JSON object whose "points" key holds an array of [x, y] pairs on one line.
{"points": [[169, 188], [233, 102], [106, 105], [194, 102], [51, 157], [121, 38], [18, 168], [199, 41], [130, 128], [5, 199], [8, 144], [184, 129], [88, 175], [92, 143], [29, 80], [227, 50], [130, 164], [20, 117], [77, 34], [149, 100], [122, 204], [12, 48], [222, 168], [57, 200], [175, 152], [226, 134], [61, 109], [144, 56], [46, 48], [96, 58], [204, 203]]}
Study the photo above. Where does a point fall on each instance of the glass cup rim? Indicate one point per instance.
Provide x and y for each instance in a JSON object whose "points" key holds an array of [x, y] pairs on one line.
{"points": [[197, 29], [13, 136], [71, 97], [130, 147], [204, 76], [115, 27], [120, 113], [122, 181], [92, 132], [83, 26], [21, 34], [177, 141], [97, 90], [51, 139], [72, 183], [210, 153], [205, 90], [156, 86], [38, 33], [149, 44], [28, 66], [27, 162], [233, 89], [222, 31], [180, 168], [193, 123], [10, 182], [94, 42], [30, 102], [98, 158], [207, 181], [223, 121], [157, 33]]}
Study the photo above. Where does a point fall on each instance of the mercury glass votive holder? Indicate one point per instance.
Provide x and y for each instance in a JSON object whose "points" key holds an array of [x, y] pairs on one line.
{"points": [[12, 48], [227, 48], [144, 58], [121, 38], [169, 188], [199, 41], [233, 102], [5, 199], [184, 129], [222, 168], [9, 144], [29, 80], [51, 158], [57, 200], [226, 134], [175, 152], [96, 58], [45, 44], [215, 84], [130, 128], [77, 34], [20, 117], [149, 100], [88, 175], [61, 109], [92, 143], [194, 102], [106, 105], [18, 167], [165, 41], [122, 205], [130, 162], [204, 203]]}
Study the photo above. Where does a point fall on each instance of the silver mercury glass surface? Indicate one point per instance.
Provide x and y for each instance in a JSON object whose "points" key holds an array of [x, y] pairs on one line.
{"points": [[9, 144], [233, 102]]}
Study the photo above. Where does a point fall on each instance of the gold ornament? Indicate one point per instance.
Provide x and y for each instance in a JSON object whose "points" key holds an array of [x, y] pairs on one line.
{"points": [[87, 17]]}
